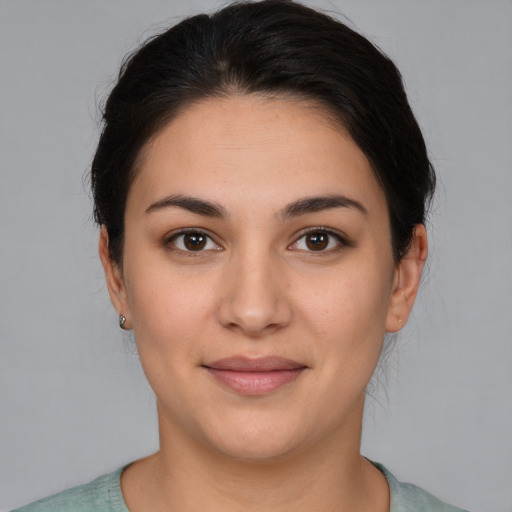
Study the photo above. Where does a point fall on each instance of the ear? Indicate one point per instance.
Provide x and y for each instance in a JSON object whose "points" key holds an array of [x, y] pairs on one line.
{"points": [[114, 278], [406, 280]]}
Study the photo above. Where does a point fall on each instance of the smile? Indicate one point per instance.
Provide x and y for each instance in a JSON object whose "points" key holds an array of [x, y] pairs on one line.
{"points": [[255, 376]]}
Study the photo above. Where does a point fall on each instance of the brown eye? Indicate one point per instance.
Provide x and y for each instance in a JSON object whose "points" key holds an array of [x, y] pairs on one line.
{"points": [[317, 241], [193, 241], [320, 240]]}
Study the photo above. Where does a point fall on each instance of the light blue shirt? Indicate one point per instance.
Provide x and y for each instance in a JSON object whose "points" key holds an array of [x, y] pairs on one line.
{"points": [[104, 495]]}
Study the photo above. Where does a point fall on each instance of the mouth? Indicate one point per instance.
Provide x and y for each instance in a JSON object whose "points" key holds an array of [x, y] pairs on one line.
{"points": [[258, 376]]}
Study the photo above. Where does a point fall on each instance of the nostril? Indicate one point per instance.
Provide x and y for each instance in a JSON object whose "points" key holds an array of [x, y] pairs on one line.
{"points": [[251, 298], [254, 322]]}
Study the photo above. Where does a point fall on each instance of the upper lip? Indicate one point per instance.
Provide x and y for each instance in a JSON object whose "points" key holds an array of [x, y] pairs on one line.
{"points": [[259, 364]]}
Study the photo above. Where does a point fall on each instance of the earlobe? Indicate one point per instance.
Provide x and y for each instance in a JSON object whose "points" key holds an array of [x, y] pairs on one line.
{"points": [[407, 280], [114, 279]]}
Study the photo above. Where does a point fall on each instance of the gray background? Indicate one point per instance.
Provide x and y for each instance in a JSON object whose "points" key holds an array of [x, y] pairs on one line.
{"points": [[73, 400]]}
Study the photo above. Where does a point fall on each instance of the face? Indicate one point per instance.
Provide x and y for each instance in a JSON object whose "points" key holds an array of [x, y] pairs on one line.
{"points": [[258, 276]]}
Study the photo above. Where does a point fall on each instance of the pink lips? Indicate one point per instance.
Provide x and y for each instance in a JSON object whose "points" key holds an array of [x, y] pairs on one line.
{"points": [[255, 376]]}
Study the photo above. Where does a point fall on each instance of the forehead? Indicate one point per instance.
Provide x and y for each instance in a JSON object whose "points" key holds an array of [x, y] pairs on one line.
{"points": [[249, 148]]}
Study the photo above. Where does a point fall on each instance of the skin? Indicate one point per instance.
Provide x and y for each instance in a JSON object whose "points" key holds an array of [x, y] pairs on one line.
{"points": [[257, 289]]}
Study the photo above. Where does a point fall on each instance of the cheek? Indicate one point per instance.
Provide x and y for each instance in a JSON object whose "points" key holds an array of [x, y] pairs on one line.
{"points": [[348, 300], [171, 315], [348, 312], [169, 309]]}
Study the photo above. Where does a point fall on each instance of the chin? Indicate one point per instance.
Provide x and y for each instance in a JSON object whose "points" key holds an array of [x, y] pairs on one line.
{"points": [[256, 451], [256, 441]]}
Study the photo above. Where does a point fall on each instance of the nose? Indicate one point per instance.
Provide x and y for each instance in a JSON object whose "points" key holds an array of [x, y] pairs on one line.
{"points": [[254, 298]]}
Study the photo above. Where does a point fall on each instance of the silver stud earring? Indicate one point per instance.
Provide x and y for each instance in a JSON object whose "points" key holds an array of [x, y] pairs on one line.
{"points": [[122, 321]]}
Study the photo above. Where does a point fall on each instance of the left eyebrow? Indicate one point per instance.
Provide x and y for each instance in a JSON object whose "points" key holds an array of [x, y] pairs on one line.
{"points": [[320, 203]]}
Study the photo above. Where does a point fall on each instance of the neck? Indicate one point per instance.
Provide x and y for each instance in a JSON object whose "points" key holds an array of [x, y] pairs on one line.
{"points": [[184, 474]]}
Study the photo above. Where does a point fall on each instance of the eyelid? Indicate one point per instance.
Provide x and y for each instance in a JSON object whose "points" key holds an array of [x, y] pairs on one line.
{"points": [[344, 240], [169, 238]]}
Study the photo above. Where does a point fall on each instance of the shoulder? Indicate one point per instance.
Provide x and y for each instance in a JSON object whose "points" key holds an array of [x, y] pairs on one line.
{"points": [[410, 498], [101, 495]]}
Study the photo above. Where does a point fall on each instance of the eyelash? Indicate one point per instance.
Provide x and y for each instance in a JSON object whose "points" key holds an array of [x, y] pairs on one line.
{"points": [[342, 242], [171, 241]]}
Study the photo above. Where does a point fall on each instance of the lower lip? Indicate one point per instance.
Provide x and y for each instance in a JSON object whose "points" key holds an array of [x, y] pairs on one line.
{"points": [[255, 383]]}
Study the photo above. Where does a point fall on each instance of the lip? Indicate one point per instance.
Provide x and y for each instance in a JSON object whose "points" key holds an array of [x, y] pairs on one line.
{"points": [[255, 376]]}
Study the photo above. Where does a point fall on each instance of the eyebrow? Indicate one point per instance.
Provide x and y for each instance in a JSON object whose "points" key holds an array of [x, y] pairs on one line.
{"points": [[192, 204], [320, 203], [297, 208]]}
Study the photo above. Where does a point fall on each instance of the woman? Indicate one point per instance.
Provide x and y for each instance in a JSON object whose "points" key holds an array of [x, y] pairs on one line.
{"points": [[262, 186]]}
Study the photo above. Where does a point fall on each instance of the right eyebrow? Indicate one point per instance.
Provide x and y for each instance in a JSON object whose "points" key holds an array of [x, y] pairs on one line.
{"points": [[192, 204]]}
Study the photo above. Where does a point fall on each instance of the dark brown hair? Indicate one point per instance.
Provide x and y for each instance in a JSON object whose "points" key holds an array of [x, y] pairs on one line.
{"points": [[269, 47]]}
